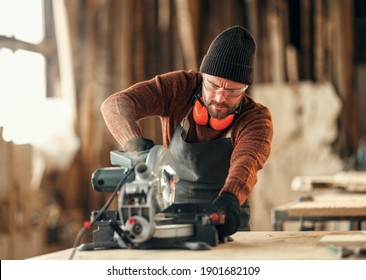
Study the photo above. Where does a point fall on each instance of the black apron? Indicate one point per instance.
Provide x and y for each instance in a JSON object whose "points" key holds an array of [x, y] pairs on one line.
{"points": [[202, 170]]}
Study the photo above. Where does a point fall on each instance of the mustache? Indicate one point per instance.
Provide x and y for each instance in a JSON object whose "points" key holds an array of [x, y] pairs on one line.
{"points": [[218, 104]]}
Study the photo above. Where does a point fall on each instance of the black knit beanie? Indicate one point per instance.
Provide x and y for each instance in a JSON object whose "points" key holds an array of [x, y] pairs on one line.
{"points": [[231, 56]]}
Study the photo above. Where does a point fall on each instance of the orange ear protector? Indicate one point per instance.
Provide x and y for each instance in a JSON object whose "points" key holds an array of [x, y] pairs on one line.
{"points": [[201, 117]]}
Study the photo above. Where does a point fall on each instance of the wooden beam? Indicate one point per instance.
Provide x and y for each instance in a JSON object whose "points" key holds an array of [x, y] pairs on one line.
{"points": [[47, 48], [65, 59], [186, 33]]}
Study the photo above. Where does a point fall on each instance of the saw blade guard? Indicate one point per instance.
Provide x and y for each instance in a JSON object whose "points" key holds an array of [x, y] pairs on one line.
{"points": [[162, 165], [149, 193]]}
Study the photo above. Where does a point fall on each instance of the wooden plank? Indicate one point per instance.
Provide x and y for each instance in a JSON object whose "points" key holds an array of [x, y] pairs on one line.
{"points": [[255, 245], [318, 46], [5, 163], [331, 205], [276, 41], [65, 59], [343, 240], [353, 114], [292, 65], [349, 181], [28, 245], [4, 246], [186, 34]]}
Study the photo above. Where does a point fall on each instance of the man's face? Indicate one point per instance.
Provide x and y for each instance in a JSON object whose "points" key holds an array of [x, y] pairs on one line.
{"points": [[221, 96]]}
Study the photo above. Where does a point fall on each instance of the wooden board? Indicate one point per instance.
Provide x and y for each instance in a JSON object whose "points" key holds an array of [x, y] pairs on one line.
{"points": [[354, 181], [342, 205], [343, 240], [259, 245]]}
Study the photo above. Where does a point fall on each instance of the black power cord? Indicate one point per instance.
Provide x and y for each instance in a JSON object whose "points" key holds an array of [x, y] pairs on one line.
{"points": [[88, 225]]}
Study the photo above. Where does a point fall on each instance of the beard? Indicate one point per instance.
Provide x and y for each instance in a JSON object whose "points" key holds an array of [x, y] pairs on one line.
{"points": [[225, 110]]}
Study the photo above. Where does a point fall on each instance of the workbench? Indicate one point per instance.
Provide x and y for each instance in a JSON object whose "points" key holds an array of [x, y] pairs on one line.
{"points": [[329, 206], [260, 245]]}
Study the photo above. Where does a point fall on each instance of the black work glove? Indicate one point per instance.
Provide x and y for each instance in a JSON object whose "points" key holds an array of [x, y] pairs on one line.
{"points": [[138, 145], [229, 205]]}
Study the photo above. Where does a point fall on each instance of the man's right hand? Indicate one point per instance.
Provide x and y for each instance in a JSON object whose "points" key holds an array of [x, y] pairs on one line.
{"points": [[138, 145]]}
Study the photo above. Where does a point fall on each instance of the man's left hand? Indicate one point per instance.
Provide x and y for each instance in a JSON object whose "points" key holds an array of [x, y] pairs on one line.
{"points": [[229, 205]]}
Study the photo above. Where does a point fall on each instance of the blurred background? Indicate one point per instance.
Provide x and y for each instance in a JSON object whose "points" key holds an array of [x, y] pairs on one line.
{"points": [[59, 59]]}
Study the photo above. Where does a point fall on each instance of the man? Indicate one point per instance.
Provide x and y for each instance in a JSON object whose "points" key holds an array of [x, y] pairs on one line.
{"points": [[219, 137]]}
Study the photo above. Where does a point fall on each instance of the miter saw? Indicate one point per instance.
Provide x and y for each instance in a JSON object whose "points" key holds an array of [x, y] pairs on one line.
{"points": [[147, 216]]}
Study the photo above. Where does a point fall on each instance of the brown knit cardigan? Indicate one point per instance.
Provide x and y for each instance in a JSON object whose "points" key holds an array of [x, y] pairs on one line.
{"points": [[169, 97]]}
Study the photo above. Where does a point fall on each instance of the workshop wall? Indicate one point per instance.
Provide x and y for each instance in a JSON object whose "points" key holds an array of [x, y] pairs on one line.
{"points": [[305, 124], [103, 46], [22, 225]]}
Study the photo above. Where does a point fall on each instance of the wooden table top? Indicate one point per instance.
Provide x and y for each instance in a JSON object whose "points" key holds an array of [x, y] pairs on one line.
{"points": [[260, 245]]}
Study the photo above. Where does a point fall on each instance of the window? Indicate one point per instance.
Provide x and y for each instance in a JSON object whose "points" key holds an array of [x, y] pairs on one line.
{"points": [[26, 61], [22, 67]]}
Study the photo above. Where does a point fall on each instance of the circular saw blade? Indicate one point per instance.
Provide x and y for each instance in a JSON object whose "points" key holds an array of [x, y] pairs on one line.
{"points": [[161, 163]]}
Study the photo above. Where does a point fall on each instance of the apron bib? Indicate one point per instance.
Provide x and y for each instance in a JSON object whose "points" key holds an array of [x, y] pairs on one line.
{"points": [[202, 170]]}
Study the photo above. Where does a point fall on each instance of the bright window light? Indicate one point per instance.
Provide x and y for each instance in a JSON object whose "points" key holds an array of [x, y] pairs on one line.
{"points": [[22, 75], [27, 114], [22, 72], [22, 19], [22, 86]]}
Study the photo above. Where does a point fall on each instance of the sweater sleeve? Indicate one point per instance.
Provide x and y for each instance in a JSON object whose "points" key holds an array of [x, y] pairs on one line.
{"points": [[251, 139], [155, 97]]}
